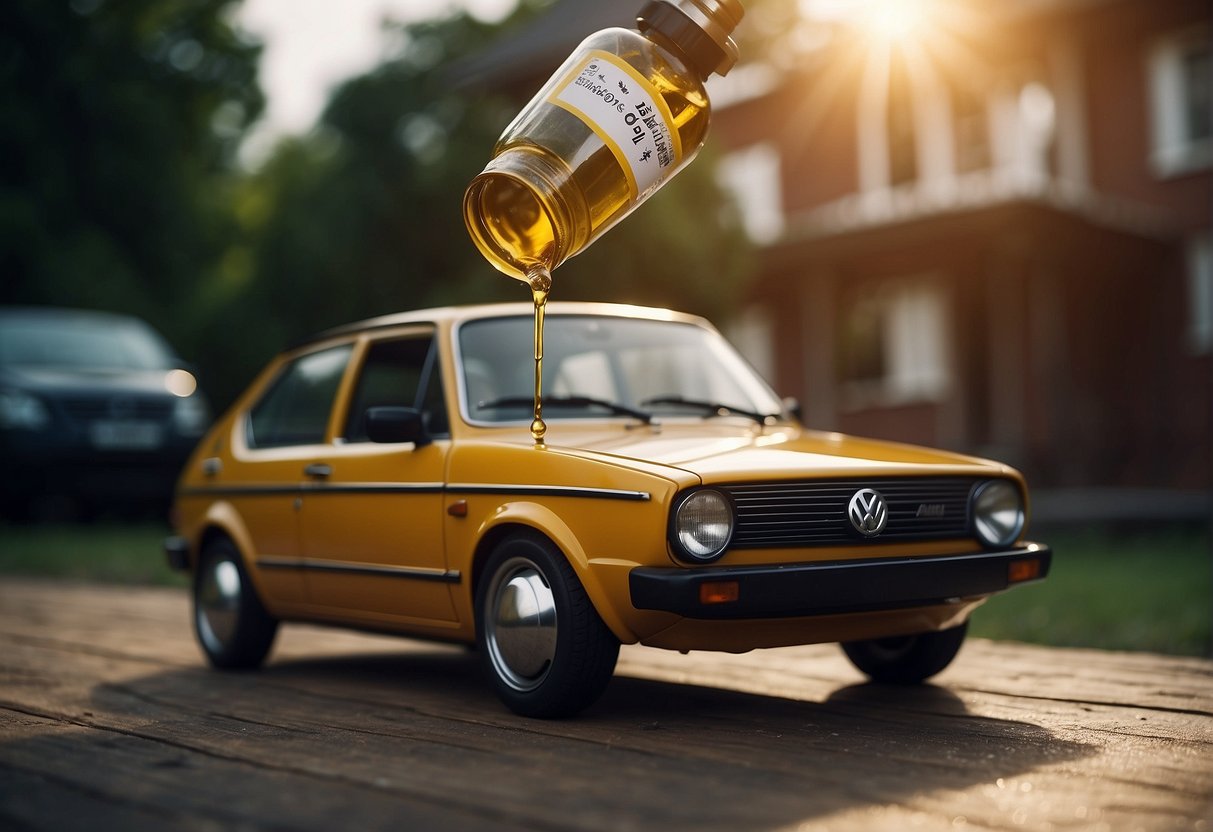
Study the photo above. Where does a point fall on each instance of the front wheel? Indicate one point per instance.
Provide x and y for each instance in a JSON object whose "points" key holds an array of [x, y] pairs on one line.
{"points": [[906, 660], [231, 623], [541, 643]]}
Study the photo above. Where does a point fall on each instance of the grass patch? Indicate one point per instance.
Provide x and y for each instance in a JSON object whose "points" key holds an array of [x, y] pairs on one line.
{"points": [[1151, 592], [108, 553]]}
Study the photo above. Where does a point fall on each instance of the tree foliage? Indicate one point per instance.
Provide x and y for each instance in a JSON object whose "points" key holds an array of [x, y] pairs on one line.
{"points": [[117, 118]]}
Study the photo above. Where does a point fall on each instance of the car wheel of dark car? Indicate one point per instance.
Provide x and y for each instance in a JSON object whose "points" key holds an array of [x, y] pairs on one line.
{"points": [[231, 623], [906, 660], [542, 644]]}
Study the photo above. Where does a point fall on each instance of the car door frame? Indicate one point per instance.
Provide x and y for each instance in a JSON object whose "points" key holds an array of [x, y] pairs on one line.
{"points": [[372, 524]]}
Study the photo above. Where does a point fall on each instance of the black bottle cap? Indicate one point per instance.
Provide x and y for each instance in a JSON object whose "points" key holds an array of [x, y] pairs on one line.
{"points": [[700, 28]]}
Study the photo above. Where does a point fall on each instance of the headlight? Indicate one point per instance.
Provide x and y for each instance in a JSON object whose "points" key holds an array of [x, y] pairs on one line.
{"points": [[702, 526], [997, 513], [180, 383], [19, 409]]}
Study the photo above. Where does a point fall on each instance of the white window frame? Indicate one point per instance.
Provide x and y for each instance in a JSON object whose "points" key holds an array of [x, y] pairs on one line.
{"points": [[916, 321], [1200, 293], [1172, 152], [753, 176]]}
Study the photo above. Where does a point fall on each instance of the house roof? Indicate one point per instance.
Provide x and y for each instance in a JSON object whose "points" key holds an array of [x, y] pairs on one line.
{"points": [[535, 49]]}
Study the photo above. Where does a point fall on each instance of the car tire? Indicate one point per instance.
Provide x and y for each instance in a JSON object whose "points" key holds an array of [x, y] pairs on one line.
{"points": [[541, 642], [230, 621], [906, 660]]}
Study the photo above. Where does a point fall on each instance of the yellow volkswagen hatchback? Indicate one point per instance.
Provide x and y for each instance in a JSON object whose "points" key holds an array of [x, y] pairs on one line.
{"points": [[383, 476]]}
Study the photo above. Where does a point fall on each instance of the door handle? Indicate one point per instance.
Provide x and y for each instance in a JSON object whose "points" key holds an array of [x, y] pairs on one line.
{"points": [[318, 470]]}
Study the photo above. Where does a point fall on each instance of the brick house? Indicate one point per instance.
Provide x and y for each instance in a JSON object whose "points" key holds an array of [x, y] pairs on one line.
{"points": [[985, 228]]}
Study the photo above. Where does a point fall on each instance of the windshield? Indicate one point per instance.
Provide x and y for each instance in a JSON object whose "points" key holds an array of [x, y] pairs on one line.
{"points": [[82, 343], [633, 363]]}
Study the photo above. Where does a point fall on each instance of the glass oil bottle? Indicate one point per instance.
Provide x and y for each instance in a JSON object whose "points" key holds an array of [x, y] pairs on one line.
{"points": [[624, 113]]}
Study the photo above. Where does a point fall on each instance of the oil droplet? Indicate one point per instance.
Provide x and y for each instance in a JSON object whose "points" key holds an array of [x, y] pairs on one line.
{"points": [[540, 281]]}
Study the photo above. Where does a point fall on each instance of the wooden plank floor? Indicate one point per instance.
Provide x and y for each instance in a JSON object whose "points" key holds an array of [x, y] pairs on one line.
{"points": [[109, 720]]}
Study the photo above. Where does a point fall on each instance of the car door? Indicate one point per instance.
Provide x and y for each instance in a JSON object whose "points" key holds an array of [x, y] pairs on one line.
{"points": [[373, 515], [273, 445]]}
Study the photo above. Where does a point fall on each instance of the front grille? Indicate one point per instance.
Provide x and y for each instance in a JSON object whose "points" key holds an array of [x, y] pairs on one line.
{"points": [[815, 513], [88, 409]]}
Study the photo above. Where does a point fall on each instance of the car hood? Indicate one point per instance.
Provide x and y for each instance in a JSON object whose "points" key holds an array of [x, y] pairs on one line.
{"points": [[728, 453], [49, 381]]}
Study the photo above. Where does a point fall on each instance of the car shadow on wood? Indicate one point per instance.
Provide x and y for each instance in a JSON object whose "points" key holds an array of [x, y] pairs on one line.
{"points": [[420, 732]]}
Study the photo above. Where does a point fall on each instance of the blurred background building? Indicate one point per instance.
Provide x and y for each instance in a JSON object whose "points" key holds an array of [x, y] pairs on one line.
{"points": [[981, 225]]}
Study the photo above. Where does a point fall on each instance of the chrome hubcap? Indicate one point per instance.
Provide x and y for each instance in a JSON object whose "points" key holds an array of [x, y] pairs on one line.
{"points": [[890, 649], [520, 624], [218, 604]]}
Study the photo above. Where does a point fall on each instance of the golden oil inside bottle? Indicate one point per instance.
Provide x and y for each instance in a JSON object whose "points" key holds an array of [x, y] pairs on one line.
{"points": [[518, 223], [554, 185], [540, 281]]}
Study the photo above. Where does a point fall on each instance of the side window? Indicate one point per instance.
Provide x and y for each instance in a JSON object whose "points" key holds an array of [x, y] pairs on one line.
{"points": [[399, 373], [296, 409]]}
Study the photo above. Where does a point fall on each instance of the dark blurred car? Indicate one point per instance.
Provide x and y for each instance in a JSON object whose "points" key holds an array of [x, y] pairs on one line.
{"points": [[97, 413]]}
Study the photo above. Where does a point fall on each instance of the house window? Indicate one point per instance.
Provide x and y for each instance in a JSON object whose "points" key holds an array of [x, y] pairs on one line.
{"points": [[903, 149], [1182, 127], [904, 128], [751, 175], [894, 344], [1200, 293], [971, 128]]}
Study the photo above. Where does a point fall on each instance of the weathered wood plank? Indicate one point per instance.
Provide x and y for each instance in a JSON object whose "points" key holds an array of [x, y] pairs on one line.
{"points": [[108, 719]]}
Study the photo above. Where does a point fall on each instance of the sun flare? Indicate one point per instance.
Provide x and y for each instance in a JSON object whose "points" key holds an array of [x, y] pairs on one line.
{"points": [[880, 20], [894, 20]]}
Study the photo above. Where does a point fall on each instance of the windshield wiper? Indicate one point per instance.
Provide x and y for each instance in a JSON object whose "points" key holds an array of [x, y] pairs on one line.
{"points": [[712, 408], [570, 401]]}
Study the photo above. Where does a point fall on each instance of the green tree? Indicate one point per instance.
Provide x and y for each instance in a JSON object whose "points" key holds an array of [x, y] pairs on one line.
{"points": [[118, 124], [361, 216]]}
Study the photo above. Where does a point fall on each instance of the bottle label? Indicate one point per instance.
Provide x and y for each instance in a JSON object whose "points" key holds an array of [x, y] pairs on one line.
{"points": [[626, 112]]}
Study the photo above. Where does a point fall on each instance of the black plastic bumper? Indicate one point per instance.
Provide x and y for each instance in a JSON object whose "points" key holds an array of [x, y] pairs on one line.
{"points": [[177, 552], [833, 587]]}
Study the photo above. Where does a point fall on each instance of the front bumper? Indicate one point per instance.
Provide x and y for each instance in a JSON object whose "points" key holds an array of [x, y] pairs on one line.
{"points": [[177, 553], [833, 587]]}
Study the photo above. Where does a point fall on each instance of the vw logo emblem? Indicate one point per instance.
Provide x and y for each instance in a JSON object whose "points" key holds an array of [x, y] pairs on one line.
{"points": [[868, 512]]}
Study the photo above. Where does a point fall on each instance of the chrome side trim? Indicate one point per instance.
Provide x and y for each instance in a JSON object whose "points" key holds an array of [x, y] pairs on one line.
{"points": [[316, 488], [446, 576], [549, 491], [239, 490]]}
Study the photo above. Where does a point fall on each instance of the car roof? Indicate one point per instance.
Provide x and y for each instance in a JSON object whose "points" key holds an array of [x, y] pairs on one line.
{"points": [[459, 314], [65, 315]]}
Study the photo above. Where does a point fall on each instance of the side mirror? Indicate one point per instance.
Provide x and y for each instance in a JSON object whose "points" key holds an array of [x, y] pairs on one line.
{"points": [[396, 424]]}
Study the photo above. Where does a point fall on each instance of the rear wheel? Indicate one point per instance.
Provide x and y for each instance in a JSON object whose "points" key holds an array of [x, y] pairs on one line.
{"points": [[906, 660], [230, 621], [541, 643]]}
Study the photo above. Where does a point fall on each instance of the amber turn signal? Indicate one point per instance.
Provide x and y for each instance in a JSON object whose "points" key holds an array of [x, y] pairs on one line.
{"points": [[719, 592], [1023, 570]]}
